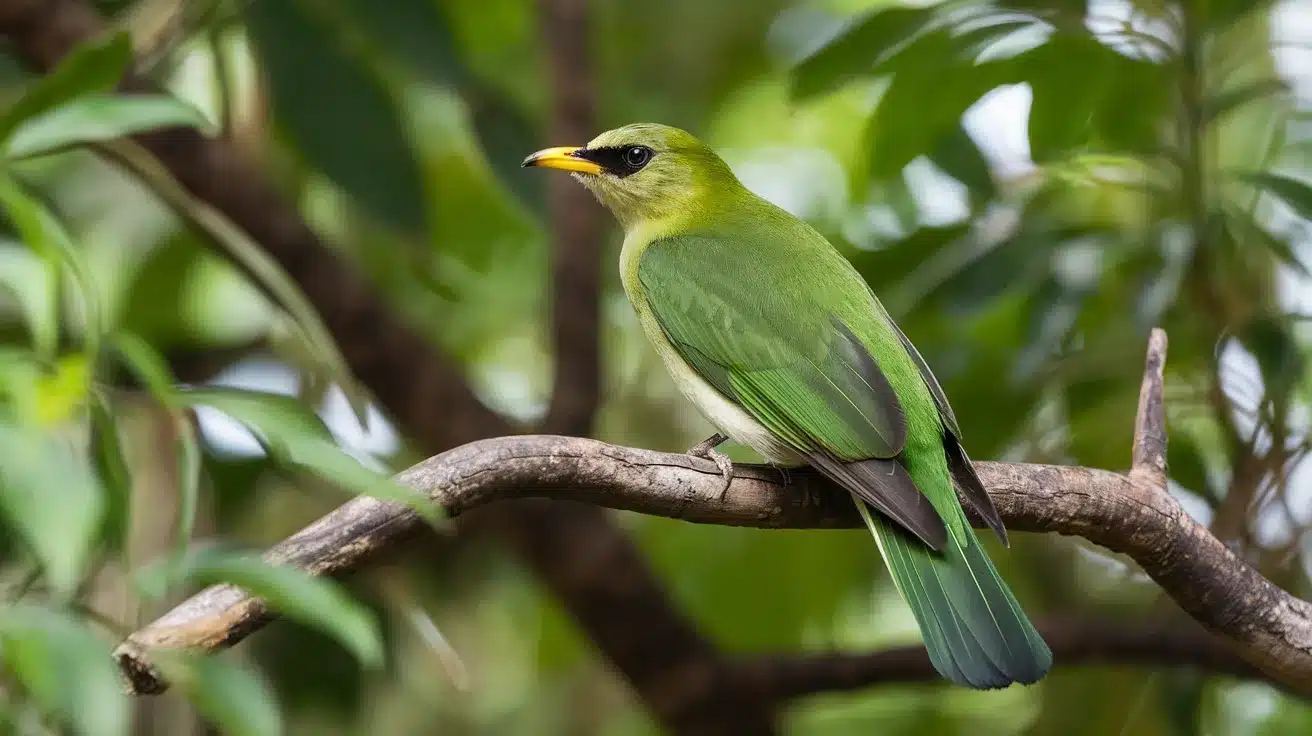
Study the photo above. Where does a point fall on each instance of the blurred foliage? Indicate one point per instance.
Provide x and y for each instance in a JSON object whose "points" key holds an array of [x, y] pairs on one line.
{"points": [[1029, 185]]}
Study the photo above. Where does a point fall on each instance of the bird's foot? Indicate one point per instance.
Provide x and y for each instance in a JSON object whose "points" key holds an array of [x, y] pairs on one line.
{"points": [[706, 451], [783, 473]]}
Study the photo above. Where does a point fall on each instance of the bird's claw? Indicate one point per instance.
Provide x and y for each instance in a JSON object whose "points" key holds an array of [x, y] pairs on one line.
{"points": [[706, 451]]}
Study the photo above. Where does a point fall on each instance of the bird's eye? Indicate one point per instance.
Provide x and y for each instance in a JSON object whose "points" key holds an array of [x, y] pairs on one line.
{"points": [[636, 157]]}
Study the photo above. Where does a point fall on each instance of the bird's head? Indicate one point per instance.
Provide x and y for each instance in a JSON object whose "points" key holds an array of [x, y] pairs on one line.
{"points": [[644, 172]]}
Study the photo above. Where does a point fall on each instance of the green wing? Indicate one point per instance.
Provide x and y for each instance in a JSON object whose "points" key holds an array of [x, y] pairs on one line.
{"points": [[963, 471], [751, 327]]}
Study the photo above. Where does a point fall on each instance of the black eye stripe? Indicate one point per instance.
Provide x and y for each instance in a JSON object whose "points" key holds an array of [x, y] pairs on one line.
{"points": [[621, 161]]}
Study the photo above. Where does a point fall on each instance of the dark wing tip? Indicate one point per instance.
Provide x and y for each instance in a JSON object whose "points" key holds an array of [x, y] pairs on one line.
{"points": [[971, 488], [885, 485], [864, 365]]}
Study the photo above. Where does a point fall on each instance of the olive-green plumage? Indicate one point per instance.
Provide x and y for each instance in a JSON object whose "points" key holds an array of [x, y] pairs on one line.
{"points": [[784, 347]]}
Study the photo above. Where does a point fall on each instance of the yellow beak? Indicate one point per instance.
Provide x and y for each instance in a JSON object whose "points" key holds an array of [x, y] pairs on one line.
{"points": [[562, 157]]}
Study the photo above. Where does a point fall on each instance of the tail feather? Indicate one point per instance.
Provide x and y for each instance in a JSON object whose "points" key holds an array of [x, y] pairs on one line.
{"points": [[975, 631]]}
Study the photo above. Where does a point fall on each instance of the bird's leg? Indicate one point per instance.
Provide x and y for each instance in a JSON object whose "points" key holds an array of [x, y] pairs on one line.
{"points": [[706, 450]]}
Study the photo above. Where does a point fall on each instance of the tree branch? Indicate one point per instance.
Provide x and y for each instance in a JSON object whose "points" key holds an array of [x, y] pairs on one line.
{"points": [[1074, 643], [429, 398], [1264, 625]]}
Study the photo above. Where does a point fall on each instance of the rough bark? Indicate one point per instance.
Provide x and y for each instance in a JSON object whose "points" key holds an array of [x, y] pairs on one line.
{"points": [[1128, 513]]}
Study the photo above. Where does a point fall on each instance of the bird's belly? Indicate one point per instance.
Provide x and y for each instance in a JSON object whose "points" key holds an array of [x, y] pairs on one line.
{"points": [[728, 417]]}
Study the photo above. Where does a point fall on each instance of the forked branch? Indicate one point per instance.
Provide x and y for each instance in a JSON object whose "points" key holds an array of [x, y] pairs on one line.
{"points": [[1131, 513]]}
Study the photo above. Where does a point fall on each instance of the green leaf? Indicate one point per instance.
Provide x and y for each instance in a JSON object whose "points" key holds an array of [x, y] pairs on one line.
{"points": [[43, 233], [320, 603], [362, 146], [416, 33], [957, 155], [1223, 102], [1136, 107], [101, 117], [20, 374], [234, 698], [111, 467], [1221, 14], [34, 283], [51, 498], [1272, 343], [189, 466], [239, 247], [65, 667], [148, 366], [276, 418], [1187, 466], [1294, 192], [1086, 95], [294, 435], [855, 50], [1245, 232], [1045, 8], [930, 92], [96, 66], [1068, 77], [62, 390]]}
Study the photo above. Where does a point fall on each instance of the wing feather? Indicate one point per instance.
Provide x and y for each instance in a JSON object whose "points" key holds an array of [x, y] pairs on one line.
{"points": [[793, 365], [959, 464]]}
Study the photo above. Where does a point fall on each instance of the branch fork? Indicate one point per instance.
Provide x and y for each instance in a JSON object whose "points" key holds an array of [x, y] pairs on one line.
{"points": [[1130, 513]]}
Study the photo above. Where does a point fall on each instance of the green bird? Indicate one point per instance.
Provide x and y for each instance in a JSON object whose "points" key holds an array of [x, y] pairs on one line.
{"points": [[782, 345]]}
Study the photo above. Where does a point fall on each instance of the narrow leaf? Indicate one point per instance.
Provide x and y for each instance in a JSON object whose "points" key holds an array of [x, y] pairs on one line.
{"points": [[94, 67], [294, 435], [34, 283], [102, 117], [111, 467], [1068, 77], [65, 667], [238, 246], [43, 233], [958, 155], [1271, 341], [1224, 102], [855, 50], [62, 390], [1294, 192], [415, 33], [148, 366], [928, 96], [189, 468], [316, 602], [378, 168], [1246, 232], [52, 499], [234, 698]]}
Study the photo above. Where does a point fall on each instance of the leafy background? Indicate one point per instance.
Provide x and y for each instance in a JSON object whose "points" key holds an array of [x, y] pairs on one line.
{"points": [[1029, 185]]}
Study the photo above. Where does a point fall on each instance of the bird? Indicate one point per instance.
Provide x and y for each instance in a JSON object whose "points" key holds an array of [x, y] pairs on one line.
{"points": [[780, 343]]}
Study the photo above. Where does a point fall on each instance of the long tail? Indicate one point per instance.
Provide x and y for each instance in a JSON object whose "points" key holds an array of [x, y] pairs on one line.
{"points": [[975, 631]]}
